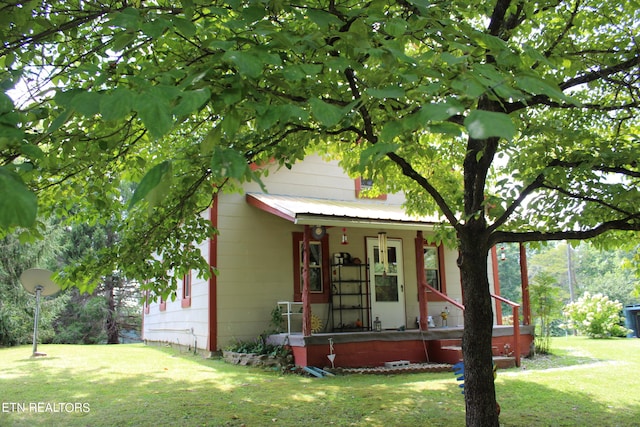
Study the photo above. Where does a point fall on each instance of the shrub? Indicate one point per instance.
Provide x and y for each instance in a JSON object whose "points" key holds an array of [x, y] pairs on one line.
{"points": [[545, 306], [258, 346], [595, 316]]}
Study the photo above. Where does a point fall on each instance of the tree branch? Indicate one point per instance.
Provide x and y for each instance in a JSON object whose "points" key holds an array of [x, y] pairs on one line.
{"points": [[589, 77], [586, 199], [631, 223], [601, 73], [600, 168], [410, 172], [497, 17], [565, 31], [537, 183]]}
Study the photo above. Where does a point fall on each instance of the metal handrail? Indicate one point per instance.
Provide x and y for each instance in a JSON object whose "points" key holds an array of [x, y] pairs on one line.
{"points": [[514, 307], [445, 297], [516, 324]]}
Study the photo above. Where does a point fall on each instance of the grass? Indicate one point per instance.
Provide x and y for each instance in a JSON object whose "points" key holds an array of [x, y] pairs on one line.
{"points": [[585, 382]]}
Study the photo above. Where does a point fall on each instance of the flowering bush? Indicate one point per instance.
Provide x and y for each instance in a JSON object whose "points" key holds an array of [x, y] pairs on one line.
{"points": [[595, 316]]}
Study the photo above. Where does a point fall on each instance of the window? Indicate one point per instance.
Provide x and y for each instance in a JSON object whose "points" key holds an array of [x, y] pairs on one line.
{"points": [[318, 268], [316, 284], [186, 290], [364, 184], [433, 267]]}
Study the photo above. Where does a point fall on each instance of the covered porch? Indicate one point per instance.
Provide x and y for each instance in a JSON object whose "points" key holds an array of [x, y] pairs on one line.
{"points": [[418, 291]]}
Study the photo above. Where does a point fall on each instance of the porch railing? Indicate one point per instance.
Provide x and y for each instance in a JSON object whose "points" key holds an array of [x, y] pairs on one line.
{"points": [[514, 307], [445, 297], [516, 325]]}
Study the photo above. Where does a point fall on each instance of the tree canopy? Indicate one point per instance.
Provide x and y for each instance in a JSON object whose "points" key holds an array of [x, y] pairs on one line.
{"points": [[515, 120]]}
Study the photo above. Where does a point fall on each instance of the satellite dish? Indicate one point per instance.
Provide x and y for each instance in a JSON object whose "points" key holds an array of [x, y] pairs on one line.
{"points": [[35, 278], [37, 281]]}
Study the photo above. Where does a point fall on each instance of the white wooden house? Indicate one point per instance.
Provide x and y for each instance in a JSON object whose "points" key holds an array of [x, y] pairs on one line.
{"points": [[259, 255]]}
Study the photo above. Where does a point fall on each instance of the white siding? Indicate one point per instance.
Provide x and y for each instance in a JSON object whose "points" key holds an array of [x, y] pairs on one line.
{"points": [[187, 326], [255, 262]]}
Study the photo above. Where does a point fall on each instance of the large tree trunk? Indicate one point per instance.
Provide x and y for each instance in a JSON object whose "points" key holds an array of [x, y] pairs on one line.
{"points": [[480, 397]]}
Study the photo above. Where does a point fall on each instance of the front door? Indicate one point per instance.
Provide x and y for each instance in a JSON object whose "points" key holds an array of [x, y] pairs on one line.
{"points": [[387, 288]]}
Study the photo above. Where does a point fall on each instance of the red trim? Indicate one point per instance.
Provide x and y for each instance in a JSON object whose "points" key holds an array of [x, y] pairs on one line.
{"points": [[186, 296], [422, 281], [213, 281], [360, 195], [269, 209], [496, 284], [256, 166], [433, 296], [524, 280], [316, 297], [443, 277]]}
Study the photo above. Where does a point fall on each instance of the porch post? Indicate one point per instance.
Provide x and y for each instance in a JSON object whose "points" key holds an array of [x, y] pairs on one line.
{"points": [[306, 297], [524, 280], [496, 284], [422, 282]]}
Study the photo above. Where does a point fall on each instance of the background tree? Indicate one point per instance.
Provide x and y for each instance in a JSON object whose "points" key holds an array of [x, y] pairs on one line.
{"points": [[516, 121], [545, 307], [111, 307], [605, 272], [17, 307]]}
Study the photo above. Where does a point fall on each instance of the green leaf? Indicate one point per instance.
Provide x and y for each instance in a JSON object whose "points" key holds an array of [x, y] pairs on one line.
{"points": [[154, 108], [129, 18], [323, 19], [388, 92], [374, 153], [248, 64], [390, 130], [31, 151], [228, 163], [6, 103], [86, 103], [396, 27], [122, 40], [117, 104], [439, 112], [18, 205], [59, 121], [327, 114], [155, 28], [535, 85], [191, 101], [486, 124], [150, 181], [184, 26]]}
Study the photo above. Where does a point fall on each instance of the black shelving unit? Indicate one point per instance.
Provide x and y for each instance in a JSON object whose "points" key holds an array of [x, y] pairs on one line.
{"points": [[350, 298]]}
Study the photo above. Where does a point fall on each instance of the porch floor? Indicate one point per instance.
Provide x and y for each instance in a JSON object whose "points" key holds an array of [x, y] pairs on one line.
{"points": [[373, 349]]}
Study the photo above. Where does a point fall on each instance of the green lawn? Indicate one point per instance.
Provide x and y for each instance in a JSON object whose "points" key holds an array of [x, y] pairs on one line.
{"points": [[587, 383]]}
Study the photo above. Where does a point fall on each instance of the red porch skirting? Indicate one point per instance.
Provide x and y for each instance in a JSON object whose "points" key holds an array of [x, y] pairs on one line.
{"points": [[372, 349]]}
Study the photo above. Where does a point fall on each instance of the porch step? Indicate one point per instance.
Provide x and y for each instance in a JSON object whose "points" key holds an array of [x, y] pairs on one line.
{"points": [[502, 362]]}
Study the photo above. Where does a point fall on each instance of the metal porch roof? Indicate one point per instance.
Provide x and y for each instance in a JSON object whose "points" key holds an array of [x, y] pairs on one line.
{"points": [[328, 212]]}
